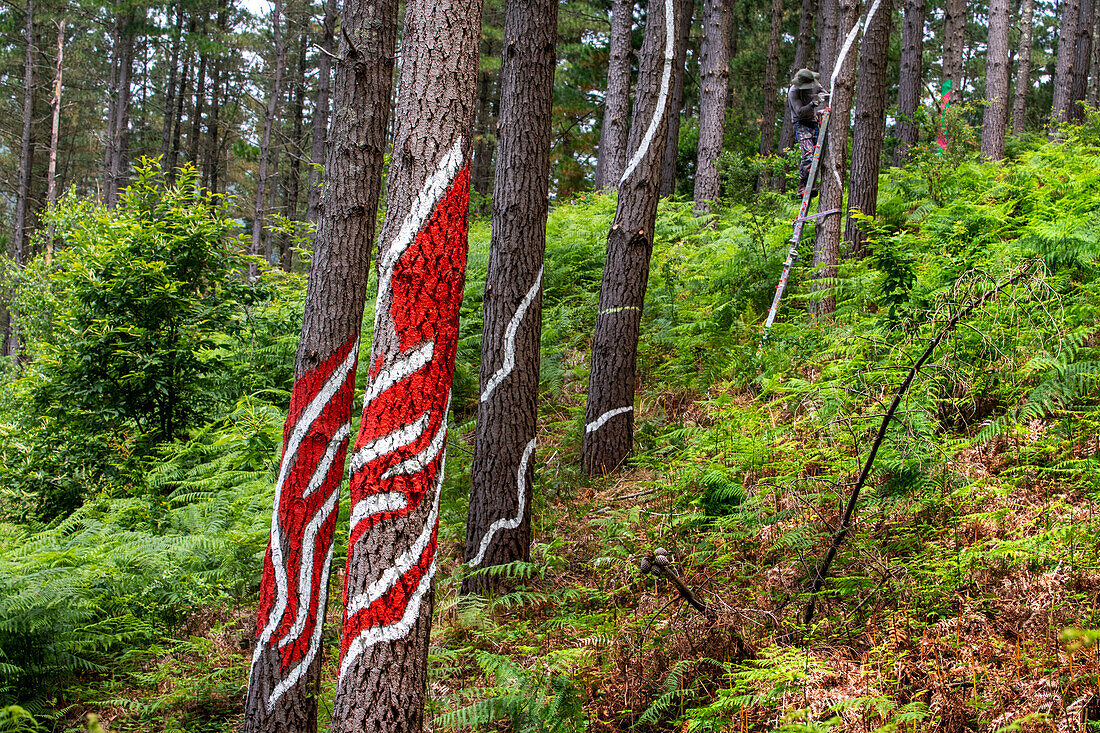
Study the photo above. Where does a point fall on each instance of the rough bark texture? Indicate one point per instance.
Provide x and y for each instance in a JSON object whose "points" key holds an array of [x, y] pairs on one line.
{"points": [[498, 525], [397, 469], [1063, 70], [954, 32], [834, 156], [910, 78], [285, 669], [23, 175], [1086, 20], [611, 157], [686, 12], [826, 47], [870, 122], [802, 52], [609, 412], [996, 83], [771, 81], [713, 94], [321, 110], [265, 139], [1023, 67]]}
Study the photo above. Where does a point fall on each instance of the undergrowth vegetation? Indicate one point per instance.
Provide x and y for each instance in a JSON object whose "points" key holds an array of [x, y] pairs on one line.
{"points": [[962, 599]]}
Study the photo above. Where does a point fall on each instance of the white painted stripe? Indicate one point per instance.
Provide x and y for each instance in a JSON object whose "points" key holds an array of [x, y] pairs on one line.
{"points": [[321, 473], [509, 523], [314, 641], [368, 506], [849, 40], [305, 421], [305, 568], [662, 96], [599, 422], [390, 442], [421, 460], [510, 339], [397, 630], [404, 562], [404, 366]]}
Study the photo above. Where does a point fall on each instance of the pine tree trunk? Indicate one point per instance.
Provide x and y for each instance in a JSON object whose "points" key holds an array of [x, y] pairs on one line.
{"points": [[714, 66], [1063, 70], [24, 173], [827, 44], [294, 148], [502, 468], [996, 83], [283, 685], [55, 130], [803, 50], [481, 167], [1023, 68], [686, 12], [611, 157], [1093, 91], [265, 140], [397, 469], [200, 103], [120, 125], [771, 81], [1085, 23], [609, 412], [321, 110], [171, 89], [834, 156], [177, 123], [954, 30], [212, 154], [910, 77], [870, 123]]}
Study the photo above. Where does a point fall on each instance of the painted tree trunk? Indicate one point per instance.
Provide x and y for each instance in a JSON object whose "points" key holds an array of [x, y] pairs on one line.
{"points": [[771, 81], [397, 468], [265, 140], [321, 110], [498, 525], [870, 123], [24, 173], [713, 93], [1063, 70], [1086, 21], [611, 157], [910, 78], [996, 83], [954, 35], [1023, 68], [286, 662], [609, 412], [803, 50], [686, 12], [834, 157]]}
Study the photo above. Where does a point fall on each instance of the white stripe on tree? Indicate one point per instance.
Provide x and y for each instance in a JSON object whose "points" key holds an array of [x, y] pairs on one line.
{"points": [[510, 339], [602, 419], [403, 366], [389, 442], [368, 506], [512, 522], [662, 96]]}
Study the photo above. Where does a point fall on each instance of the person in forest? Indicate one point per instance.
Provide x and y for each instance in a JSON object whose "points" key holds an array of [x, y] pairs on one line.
{"points": [[804, 100]]}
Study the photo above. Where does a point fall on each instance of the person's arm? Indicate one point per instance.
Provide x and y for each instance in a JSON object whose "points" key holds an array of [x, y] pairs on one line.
{"points": [[804, 112]]}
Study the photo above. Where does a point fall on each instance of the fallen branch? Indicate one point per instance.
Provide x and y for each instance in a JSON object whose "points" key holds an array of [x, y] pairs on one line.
{"points": [[658, 565], [849, 510]]}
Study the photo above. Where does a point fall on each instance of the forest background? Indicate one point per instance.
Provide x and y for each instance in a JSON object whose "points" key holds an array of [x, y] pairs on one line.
{"points": [[135, 500]]}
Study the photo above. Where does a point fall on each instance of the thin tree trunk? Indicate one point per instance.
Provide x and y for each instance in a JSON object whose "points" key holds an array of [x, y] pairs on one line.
{"points": [[265, 140], [212, 153], [321, 110], [294, 150], [1023, 68], [55, 129], [611, 157], [713, 96], [870, 123], [803, 50], [771, 81], [200, 103], [481, 167], [26, 169], [283, 685], [609, 411], [686, 12], [112, 99], [1063, 70], [1086, 21], [171, 90], [498, 524], [910, 78], [954, 30], [397, 469], [1094, 69], [834, 159], [120, 133], [177, 124], [996, 83]]}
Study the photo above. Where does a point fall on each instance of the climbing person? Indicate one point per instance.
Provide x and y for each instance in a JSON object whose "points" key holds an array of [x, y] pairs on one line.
{"points": [[804, 100]]}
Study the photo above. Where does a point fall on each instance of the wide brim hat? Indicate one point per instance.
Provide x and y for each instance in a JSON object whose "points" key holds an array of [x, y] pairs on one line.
{"points": [[805, 79]]}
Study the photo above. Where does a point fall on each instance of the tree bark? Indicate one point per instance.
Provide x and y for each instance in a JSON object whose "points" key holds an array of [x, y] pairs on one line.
{"points": [[870, 122], [1023, 68], [397, 469], [119, 124], [1063, 70], [1093, 90], [910, 78], [321, 109], [293, 147], [611, 157], [826, 47], [609, 412], [212, 155], [171, 89], [55, 129], [481, 167], [834, 157], [177, 123], [713, 95], [283, 685], [265, 140], [24, 173], [803, 50], [996, 83], [954, 34], [498, 525], [771, 81], [200, 103], [1086, 20], [686, 12]]}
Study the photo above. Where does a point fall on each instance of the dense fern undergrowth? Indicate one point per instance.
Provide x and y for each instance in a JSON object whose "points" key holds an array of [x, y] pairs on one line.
{"points": [[132, 530]]}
